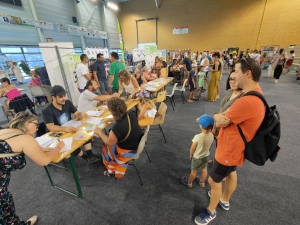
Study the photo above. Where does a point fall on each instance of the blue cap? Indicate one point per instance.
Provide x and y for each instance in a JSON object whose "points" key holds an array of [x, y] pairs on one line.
{"points": [[206, 120]]}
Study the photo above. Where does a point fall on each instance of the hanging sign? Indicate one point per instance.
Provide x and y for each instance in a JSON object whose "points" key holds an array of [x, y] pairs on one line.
{"points": [[180, 30], [138, 55], [28, 22], [44, 25], [62, 28]]}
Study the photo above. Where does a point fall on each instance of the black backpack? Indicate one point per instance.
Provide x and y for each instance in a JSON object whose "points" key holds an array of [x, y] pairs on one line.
{"points": [[264, 145]]}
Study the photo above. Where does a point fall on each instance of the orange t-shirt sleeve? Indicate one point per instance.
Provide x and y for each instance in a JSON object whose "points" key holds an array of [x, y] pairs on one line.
{"points": [[240, 111]]}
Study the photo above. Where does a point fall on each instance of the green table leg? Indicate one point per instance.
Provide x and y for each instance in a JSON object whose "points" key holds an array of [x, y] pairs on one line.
{"points": [[72, 164], [74, 172]]}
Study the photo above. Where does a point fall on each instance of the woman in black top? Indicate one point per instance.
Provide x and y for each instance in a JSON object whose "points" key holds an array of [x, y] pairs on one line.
{"points": [[139, 77], [122, 142]]}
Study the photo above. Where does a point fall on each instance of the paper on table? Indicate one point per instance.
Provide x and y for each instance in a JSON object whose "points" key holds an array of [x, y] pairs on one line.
{"points": [[72, 123], [68, 144], [94, 120], [110, 116], [94, 113], [45, 141], [151, 89]]}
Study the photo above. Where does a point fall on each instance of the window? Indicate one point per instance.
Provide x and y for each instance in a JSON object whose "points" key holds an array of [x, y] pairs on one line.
{"points": [[11, 50], [31, 50]]}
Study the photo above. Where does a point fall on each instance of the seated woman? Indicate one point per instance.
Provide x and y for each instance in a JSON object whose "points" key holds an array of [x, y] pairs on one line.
{"points": [[129, 83], [11, 92], [147, 109], [140, 78], [123, 140], [148, 75], [35, 81]]}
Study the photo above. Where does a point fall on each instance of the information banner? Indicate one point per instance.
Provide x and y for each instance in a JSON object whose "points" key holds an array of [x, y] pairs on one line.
{"points": [[44, 25], [92, 52], [138, 55], [180, 30], [62, 28], [28, 22]]}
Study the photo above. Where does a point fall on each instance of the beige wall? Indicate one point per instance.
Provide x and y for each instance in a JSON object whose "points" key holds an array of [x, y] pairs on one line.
{"points": [[213, 24]]}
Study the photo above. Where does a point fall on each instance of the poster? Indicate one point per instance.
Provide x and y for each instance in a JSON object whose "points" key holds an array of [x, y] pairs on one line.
{"points": [[180, 30], [92, 52], [44, 25], [82, 31], [138, 55], [72, 29], [28, 22], [62, 28], [150, 49], [10, 19], [90, 33]]}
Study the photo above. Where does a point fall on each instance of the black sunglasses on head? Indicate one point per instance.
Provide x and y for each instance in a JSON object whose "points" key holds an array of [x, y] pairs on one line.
{"points": [[245, 59]]}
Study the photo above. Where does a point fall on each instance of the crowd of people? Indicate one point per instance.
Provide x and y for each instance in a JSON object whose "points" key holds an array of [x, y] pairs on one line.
{"points": [[120, 145]]}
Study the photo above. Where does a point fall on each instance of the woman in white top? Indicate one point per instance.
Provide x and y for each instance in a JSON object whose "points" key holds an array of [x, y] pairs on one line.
{"points": [[17, 72], [129, 83]]}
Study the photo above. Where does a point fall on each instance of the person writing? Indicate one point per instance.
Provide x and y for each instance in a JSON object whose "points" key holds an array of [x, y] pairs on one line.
{"points": [[16, 141], [139, 77], [58, 113], [147, 109], [129, 83]]}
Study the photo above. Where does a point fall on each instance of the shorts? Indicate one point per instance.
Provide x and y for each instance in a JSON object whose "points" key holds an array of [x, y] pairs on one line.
{"points": [[80, 90], [192, 88], [104, 86], [219, 171], [186, 75], [199, 164]]}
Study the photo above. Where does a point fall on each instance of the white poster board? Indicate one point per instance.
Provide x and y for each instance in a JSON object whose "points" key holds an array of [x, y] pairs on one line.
{"points": [[66, 51], [138, 55], [92, 52]]}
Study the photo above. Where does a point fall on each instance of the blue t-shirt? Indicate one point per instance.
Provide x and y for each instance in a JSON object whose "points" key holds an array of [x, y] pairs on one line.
{"points": [[188, 63], [100, 69]]}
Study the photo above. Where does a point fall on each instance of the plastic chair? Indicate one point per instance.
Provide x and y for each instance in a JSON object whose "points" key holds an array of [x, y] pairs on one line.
{"points": [[141, 147], [182, 90], [171, 96], [160, 119], [37, 91]]}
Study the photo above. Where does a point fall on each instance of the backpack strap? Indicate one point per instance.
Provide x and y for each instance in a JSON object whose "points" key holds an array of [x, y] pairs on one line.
{"points": [[259, 95]]}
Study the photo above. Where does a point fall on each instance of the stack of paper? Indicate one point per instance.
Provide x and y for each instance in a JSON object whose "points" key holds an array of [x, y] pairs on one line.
{"points": [[45, 141], [68, 144], [94, 120], [94, 113], [72, 123]]}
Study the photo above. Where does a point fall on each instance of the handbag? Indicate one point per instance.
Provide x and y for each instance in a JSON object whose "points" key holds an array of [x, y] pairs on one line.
{"points": [[129, 130]]}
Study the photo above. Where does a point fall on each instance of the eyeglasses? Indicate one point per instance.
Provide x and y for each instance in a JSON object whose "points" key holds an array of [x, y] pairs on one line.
{"points": [[245, 59], [37, 124]]}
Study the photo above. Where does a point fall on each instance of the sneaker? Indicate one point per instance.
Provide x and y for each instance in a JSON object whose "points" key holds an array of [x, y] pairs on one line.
{"points": [[204, 90], [92, 160], [205, 217], [185, 182], [275, 81], [224, 205]]}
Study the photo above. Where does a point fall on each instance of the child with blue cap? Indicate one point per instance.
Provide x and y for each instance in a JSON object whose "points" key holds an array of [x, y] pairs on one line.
{"points": [[199, 151]]}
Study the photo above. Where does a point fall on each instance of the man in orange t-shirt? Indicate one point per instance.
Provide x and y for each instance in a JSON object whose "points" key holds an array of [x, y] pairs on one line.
{"points": [[248, 112]]}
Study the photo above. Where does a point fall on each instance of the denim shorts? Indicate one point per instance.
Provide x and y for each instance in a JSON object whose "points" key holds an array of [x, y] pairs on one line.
{"points": [[103, 86]]}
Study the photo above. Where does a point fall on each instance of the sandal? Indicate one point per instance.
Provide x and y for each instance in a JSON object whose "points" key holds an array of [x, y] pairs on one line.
{"points": [[201, 184], [106, 173], [32, 220]]}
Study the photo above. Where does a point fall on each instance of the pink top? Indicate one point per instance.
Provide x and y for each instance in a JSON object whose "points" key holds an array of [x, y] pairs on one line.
{"points": [[12, 94], [35, 81]]}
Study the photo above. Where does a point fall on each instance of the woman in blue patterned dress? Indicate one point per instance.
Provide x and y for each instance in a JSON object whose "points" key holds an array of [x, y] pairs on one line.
{"points": [[16, 141]]}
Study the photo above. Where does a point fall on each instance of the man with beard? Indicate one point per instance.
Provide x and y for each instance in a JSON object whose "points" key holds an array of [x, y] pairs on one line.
{"points": [[88, 100], [58, 113]]}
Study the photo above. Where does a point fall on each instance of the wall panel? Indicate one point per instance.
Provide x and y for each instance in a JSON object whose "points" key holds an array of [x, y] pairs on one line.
{"points": [[215, 24]]}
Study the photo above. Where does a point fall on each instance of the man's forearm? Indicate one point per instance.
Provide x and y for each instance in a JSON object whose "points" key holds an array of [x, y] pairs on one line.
{"points": [[111, 79], [56, 128]]}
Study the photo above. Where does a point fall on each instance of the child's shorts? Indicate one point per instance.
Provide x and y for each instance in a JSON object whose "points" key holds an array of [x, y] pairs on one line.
{"points": [[199, 164]]}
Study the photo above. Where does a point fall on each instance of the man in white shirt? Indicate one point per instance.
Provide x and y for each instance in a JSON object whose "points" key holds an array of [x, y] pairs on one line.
{"points": [[88, 100], [82, 72], [255, 55]]}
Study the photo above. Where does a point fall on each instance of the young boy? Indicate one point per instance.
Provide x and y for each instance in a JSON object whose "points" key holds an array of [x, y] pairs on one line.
{"points": [[199, 152], [201, 79], [192, 83]]}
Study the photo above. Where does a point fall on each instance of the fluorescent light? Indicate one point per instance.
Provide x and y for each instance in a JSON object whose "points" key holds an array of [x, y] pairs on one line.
{"points": [[112, 6]]}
